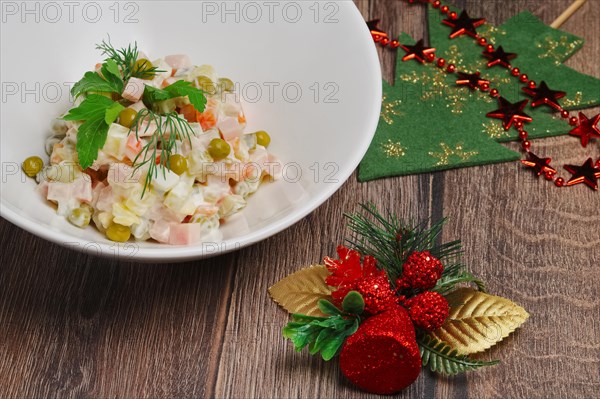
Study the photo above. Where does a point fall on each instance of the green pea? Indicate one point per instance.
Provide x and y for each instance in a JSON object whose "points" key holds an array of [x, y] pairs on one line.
{"points": [[263, 138], [206, 84], [141, 67], [118, 233], [127, 116], [178, 164], [226, 84], [32, 166], [218, 149]]}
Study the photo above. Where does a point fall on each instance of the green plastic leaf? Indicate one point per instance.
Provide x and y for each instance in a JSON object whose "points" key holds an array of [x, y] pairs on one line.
{"points": [[429, 123], [439, 357], [328, 308], [112, 113], [353, 303], [321, 334]]}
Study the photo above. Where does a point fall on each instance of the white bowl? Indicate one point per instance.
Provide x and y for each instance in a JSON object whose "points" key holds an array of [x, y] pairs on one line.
{"points": [[273, 49]]}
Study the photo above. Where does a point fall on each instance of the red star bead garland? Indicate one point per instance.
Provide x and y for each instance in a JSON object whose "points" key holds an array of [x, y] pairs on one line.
{"points": [[512, 114]]}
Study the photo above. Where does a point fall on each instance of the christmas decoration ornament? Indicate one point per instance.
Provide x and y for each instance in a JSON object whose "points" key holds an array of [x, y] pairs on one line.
{"points": [[586, 128], [463, 25], [473, 80], [384, 334], [428, 310], [455, 134], [510, 113], [417, 52], [587, 173], [498, 57], [543, 95], [382, 356], [377, 294], [420, 271], [541, 166]]}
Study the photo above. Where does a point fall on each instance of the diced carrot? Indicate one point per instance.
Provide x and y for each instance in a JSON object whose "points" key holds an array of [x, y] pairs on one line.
{"points": [[189, 113], [241, 118], [173, 72], [207, 119]]}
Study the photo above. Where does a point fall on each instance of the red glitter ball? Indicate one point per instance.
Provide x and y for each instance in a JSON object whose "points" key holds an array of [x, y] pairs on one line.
{"points": [[441, 62], [347, 274], [526, 145], [436, 4], [428, 310], [377, 294], [421, 270], [559, 182], [444, 9], [494, 93], [382, 357], [451, 68]]}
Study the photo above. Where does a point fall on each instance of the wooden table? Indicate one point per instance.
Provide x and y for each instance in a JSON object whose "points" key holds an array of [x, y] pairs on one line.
{"points": [[73, 325]]}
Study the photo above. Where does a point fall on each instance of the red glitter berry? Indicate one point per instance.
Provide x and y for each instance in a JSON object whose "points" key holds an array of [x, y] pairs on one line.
{"points": [[421, 270], [377, 294], [428, 310], [348, 274]]}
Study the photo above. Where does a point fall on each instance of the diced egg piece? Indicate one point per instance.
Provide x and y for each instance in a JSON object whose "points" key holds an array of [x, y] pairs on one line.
{"points": [[116, 141], [123, 215], [164, 180]]}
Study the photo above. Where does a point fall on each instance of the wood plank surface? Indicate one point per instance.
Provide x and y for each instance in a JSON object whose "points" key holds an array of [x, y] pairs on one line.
{"points": [[75, 326]]}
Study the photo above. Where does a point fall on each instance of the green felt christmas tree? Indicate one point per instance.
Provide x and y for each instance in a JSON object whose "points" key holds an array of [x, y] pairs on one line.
{"points": [[430, 123]]}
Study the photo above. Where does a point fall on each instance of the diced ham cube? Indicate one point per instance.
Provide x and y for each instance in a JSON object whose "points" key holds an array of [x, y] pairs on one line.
{"points": [[133, 90], [105, 199], [185, 233], [178, 61], [230, 128], [160, 231]]}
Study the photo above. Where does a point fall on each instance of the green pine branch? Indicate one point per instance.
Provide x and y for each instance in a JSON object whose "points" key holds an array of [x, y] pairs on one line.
{"points": [[439, 357], [391, 240]]}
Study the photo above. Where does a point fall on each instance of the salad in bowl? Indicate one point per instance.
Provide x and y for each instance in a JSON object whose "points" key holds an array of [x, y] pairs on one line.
{"points": [[152, 150]]}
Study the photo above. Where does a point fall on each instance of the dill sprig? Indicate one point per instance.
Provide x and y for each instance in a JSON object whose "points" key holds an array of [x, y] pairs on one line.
{"points": [[126, 58], [170, 128]]}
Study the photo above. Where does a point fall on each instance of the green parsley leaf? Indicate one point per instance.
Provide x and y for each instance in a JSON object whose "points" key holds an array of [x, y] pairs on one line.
{"points": [[153, 95], [90, 138], [181, 88], [112, 113], [94, 106], [97, 112], [112, 67], [110, 81]]}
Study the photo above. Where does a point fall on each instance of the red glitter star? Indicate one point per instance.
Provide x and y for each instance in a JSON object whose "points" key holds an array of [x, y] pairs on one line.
{"points": [[418, 52], [586, 128], [587, 173], [377, 33], [510, 113], [473, 80], [499, 57], [463, 25], [540, 165], [543, 95]]}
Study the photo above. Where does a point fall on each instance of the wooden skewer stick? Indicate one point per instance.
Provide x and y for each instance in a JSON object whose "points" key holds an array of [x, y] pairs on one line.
{"points": [[568, 13]]}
